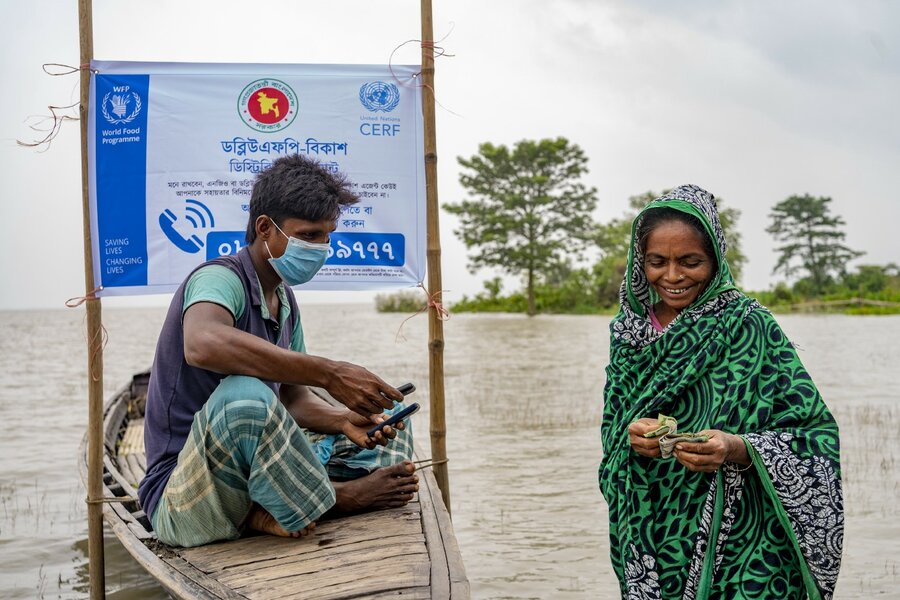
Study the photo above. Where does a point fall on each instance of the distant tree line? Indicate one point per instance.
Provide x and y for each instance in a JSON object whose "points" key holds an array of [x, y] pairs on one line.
{"points": [[527, 214]]}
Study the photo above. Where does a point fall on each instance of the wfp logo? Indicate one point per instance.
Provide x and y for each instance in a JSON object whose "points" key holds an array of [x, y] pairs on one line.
{"points": [[378, 95], [124, 105]]}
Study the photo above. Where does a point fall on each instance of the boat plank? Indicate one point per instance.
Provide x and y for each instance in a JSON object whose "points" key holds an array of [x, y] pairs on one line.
{"points": [[174, 581], [420, 593], [330, 535], [459, 583], [117, 507], [132, 444], [234, 570], [126, 478], [354, 560], [440, 571], [187, 570], [447, 569], [130, 487], [133, 438], [113, 420], [138, 530], [135, 466], [348, 582]]}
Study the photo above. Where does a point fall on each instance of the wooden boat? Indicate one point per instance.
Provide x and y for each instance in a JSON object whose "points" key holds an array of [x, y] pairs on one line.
{"points": [[408, 552]]}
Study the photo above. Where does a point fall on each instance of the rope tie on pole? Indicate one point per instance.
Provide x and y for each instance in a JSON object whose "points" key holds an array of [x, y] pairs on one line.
{"points": [[431, 302], [65, 69], [57, 119], [102, 333], [77, 301], [438, 52]]}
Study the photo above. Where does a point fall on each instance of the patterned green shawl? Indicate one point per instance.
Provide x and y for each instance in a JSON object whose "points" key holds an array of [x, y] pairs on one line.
{"points": [[772, 531]]}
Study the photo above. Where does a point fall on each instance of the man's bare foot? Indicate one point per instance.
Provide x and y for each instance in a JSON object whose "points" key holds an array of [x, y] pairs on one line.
{"points": [[387, 487], [260, 520]]}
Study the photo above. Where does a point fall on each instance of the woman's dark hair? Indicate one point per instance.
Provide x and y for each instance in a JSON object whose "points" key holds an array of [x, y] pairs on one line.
{"points": [[296, 187], [655, 217]]}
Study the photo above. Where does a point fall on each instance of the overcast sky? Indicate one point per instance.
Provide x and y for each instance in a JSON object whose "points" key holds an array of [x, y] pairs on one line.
{"points": [[755, 101]]}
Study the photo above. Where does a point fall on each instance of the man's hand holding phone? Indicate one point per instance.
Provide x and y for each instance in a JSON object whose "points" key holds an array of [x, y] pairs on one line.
{"points": [[359, 389], [385, 427], [396, 419], [357, 427]]}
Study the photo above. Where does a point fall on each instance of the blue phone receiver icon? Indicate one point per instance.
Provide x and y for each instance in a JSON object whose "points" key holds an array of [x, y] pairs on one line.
{"points": [[200, 219], [191, 245]]}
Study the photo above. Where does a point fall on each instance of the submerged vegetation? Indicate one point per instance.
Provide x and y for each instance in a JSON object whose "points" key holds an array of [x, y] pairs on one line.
{"points": [[404, 301], [587, 292], [408, 301], [869, 290]]}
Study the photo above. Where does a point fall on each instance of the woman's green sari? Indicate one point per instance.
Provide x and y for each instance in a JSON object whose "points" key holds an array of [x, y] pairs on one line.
{"points": [[772, 531]]}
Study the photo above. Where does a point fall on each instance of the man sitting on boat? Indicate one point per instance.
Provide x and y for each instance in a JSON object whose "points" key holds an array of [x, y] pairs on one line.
{"points": [[229, 417]]}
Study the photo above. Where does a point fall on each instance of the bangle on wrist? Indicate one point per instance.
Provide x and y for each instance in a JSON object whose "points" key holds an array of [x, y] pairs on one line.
{"points": [[734, 466]]}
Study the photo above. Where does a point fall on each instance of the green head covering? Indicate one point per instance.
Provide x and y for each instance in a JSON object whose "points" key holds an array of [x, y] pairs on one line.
{"points": [[699, 203]]}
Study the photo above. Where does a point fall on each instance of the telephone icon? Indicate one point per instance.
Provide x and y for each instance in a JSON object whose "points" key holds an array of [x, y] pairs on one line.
{"points": [[189, 242], [192, 244]]}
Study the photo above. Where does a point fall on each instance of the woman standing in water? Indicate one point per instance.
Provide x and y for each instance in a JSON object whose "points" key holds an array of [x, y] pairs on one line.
{"points": [[755, 511]]}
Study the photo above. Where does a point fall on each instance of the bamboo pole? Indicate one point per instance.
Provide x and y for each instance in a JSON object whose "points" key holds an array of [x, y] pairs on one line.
{"points": [[94, 329], [435, 324]]}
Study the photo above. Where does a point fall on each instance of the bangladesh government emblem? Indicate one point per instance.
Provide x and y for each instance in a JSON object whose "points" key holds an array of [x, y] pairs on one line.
{"points": [[121, 108], [379, 96], [267, 105]]}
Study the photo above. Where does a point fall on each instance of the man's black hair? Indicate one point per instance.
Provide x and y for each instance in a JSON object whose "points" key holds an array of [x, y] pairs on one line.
{"points": [[296, 187]]}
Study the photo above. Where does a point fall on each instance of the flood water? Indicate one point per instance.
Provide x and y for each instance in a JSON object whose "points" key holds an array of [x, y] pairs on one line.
{"points": [[524, 399]]}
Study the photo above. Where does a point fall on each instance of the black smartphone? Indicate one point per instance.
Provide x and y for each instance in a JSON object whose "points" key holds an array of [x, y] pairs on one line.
{"points": [[394, 419], [405, 389]]}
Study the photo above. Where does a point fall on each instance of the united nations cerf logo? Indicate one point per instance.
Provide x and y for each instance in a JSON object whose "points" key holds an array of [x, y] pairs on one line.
{"points": [[124, 105], [378, 95], [267, 105]]}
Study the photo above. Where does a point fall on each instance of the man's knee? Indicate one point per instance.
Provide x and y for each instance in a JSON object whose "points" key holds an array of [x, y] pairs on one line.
{"points": [[250, 392], [236, 417]]}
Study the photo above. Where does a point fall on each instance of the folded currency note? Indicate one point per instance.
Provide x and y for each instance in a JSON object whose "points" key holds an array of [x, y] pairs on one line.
{"points": [[666, 425], [667, 442]]}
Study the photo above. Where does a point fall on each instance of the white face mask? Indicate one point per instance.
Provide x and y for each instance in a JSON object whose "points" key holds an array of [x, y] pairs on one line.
{"points": [[301, 260]]}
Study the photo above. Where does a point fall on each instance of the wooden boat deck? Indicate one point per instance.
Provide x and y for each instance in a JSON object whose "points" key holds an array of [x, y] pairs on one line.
{"points": [[408, 552]]}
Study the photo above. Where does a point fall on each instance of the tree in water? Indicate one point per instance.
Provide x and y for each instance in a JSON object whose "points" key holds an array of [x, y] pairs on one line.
{"points": [[813, 241], [527, 209]]}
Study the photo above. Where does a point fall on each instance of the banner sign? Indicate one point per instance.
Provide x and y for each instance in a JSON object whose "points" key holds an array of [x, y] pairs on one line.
{"points": [[174, 149]]}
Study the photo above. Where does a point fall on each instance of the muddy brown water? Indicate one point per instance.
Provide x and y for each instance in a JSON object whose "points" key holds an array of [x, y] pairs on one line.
{"points": [[523, 412]]}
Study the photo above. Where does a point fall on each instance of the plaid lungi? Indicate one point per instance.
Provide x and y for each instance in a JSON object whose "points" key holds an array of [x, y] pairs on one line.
{"points": [[345, 460], [243, 448]]}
